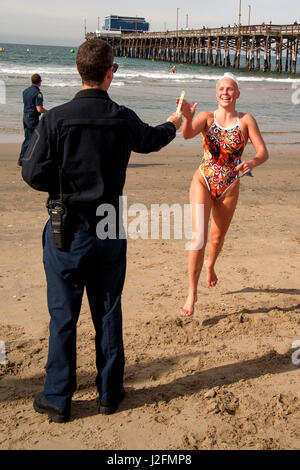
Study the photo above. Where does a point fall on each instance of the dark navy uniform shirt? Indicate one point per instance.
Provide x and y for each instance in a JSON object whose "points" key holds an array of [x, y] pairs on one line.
{"points": [[91, 137], [32, 97]]}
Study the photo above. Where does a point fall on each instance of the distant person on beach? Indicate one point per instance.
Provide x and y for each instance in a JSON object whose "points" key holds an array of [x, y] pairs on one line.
{"points": [[215, 185], [79, 155], [173, 69], [33, 108]]}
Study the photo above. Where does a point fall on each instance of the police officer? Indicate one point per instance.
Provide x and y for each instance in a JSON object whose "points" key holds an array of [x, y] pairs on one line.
{"points": [[79, 154], [33, 108]]}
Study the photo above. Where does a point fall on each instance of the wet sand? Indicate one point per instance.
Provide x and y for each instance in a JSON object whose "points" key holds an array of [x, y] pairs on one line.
{"points": [[223, 379]]}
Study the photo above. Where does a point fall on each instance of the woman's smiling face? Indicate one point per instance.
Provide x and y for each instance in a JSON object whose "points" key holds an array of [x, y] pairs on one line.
{"points": [[227, 92]]}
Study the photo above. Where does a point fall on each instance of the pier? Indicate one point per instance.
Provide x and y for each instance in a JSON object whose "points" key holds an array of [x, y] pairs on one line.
{"points": [[220, 47]]}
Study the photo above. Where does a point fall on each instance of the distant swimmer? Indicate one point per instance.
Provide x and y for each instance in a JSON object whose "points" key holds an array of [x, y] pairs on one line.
{"points": [[173, 69], [33, 108]]}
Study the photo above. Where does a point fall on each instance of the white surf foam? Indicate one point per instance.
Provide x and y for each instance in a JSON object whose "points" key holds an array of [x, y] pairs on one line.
{"points": [[134, 75]]}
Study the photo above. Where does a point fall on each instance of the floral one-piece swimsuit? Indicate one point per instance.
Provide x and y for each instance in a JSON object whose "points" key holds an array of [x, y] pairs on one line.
{"points": [[223, 148]]}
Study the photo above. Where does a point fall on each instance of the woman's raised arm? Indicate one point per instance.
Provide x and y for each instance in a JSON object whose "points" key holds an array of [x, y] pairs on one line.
{"points": [[192, 126]]}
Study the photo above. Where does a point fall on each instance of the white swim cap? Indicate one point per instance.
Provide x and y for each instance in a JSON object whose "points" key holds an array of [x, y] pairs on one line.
{"points": [[231, 76]]}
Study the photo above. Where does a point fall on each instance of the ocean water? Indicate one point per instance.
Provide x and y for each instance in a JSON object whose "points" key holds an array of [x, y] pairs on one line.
{"points": [[149, 89]]}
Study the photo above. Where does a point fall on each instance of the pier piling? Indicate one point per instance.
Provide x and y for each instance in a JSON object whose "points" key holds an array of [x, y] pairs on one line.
{"points": [[212, 47]]}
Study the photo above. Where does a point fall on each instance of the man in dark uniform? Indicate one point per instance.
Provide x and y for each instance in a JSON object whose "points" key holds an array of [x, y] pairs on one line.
{"points": [[90, 139], [33, 108]]}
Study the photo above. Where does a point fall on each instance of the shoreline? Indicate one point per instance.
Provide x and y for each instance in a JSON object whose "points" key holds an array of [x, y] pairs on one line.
{"points": [[10, 144]]}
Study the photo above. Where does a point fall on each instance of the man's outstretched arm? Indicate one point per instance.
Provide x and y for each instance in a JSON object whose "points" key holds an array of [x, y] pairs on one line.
{"points": [[146, 139]]}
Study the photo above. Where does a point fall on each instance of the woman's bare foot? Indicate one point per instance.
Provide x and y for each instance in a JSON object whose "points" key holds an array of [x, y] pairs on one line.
{"points": [[212, 278], [188, 308]]}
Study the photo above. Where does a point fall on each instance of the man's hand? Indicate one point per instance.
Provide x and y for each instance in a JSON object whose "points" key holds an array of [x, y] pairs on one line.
{"points": [[176, 119], [41, 109]]}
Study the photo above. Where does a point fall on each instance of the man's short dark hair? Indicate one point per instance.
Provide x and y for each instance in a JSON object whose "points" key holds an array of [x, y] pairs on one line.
{"points": [[36, 79], [94, 58]]}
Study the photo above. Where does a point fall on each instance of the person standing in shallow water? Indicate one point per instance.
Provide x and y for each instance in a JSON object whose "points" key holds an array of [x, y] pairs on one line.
{"points": [[33, 108], [215, 185]]}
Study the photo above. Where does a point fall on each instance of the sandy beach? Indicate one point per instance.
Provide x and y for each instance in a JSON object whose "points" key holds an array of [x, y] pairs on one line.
{"points": [[223, 379]]}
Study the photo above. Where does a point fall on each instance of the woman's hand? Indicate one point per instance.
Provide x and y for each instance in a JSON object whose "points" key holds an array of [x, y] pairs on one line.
{"points": [[187, 110], [245, 167]]}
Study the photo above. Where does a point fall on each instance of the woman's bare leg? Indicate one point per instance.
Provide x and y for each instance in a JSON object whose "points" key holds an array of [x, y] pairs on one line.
{"points": [[199, 196], [222, 213]]}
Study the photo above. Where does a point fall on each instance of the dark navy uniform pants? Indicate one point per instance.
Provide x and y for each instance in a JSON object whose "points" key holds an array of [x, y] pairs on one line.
{"points": [[29, 123], [98, 265]]}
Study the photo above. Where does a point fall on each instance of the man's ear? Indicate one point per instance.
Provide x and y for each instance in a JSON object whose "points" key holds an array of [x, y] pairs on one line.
{"points": [[109, 74], [108, 78]]}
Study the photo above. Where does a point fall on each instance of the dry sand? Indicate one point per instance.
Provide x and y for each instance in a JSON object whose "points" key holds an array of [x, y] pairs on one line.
{"points": [[223, 379]]}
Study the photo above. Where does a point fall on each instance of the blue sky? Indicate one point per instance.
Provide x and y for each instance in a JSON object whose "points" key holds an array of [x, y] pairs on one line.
{"points": [[60, 22]]}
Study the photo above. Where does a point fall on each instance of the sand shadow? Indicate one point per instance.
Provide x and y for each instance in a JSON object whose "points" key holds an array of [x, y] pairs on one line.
{"points": [[271, 363], [141, 165], [18, 387], [268, 291], [213, 321]]}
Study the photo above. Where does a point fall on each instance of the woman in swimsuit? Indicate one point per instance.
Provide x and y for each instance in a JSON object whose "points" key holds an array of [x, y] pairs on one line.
{"points": [[215, 185]]}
